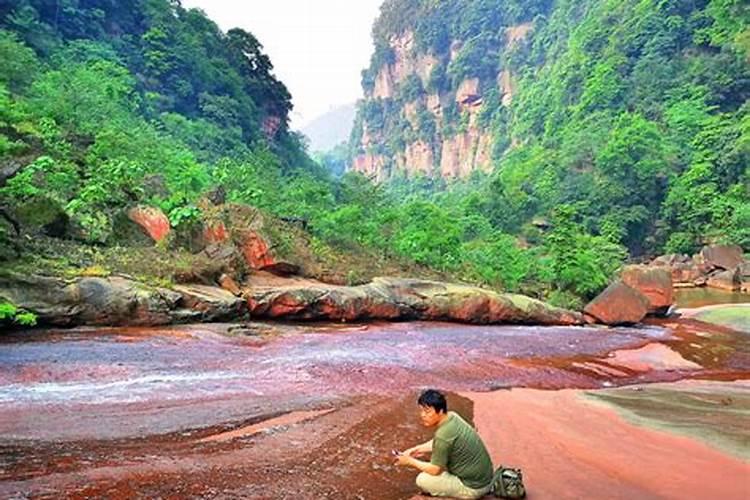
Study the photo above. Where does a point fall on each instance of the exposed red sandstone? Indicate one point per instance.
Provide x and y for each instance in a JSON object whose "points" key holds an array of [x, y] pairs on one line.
{"points": [[569, 447], [398, 299], [618, 304], [215, 232], [151, 220], [255, 250], [653, 282]]}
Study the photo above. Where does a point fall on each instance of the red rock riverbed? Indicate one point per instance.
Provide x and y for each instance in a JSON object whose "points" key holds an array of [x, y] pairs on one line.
{"points": [[313, 411]]}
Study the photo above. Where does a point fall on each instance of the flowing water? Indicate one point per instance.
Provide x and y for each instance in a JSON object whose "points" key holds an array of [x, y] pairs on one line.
{"points": [[157, 412]]}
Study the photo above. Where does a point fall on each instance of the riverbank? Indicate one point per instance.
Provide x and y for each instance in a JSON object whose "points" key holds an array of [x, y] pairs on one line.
{"points": [[307, 411], [652, 441]]}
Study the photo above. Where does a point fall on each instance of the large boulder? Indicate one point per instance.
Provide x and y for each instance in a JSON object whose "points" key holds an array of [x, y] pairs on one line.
{"points": [[209, 265], [653, 282], [116, 300], [725, 280], [618, 304], [255, 249], [152, 222], [93, 301], [212, 303], [671, 259], [400, 299], [684, 271], [687, 273], [246, 230], [744, 272], [726, 257]]}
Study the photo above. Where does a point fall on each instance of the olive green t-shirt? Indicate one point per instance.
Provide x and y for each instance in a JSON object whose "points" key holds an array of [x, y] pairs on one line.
{"points": [[458, 449]]}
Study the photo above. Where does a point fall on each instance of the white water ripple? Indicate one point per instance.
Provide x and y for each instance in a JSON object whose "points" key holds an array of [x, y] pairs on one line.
{"points": [[179, 385]]}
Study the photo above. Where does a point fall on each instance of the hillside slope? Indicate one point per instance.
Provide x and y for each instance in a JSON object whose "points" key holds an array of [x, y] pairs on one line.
{"points": [[636, 112]]}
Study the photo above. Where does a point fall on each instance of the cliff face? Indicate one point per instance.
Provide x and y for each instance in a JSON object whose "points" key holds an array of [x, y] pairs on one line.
{"points": [[426, 109]]}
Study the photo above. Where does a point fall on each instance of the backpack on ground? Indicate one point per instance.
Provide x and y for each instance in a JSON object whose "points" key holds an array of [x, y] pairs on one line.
{"points": [[508, 483]]}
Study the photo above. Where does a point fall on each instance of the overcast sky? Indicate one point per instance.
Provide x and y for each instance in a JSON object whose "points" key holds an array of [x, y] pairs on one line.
{"points": [[318, 47]]}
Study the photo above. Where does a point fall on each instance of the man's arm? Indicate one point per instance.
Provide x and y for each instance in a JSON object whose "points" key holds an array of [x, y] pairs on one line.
{"points": [[429, 468], [420, 449]]}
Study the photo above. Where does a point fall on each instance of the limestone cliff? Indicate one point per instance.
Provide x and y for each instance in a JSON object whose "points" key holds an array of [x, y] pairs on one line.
{"points": [[428, 104]]}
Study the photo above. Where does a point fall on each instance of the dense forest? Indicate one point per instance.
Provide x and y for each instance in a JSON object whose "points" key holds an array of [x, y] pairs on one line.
{"points": [[629, 135], [628, 132]]}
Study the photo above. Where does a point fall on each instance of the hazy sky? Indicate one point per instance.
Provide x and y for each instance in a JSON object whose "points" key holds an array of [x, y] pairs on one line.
{"points": [[318, 47]]}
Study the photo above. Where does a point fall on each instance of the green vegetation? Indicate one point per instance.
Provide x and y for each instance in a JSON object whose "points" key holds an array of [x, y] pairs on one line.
{"points": [[141, 102], [9, 313], [629, 134]]}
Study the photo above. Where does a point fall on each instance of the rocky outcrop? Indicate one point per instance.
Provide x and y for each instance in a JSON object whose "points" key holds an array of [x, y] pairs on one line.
{"points": [[724, 257], [208, 303], [401, 299], [505, 83], [716, 266], [119, 300], [215, 232], [384, 87], [417, 159], [468, 92], [725, 280], [655, 283], [238, 238], [406, 61], [116, 300], [618, 304], [371, 166], [152, 221], [463, 153], [515, 34], [456, 144]]}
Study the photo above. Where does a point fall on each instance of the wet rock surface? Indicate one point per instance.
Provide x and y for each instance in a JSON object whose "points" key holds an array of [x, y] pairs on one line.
{"points": [[273, 411], [117, 300], [400, 299]]}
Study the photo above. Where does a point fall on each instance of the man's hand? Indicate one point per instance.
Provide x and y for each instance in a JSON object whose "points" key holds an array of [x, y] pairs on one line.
{"points": [[415, 452], [403, 459], [420, 450]]}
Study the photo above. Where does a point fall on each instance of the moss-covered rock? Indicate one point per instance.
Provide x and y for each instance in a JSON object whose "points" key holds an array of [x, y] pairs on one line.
{"points": [[42, 214]]}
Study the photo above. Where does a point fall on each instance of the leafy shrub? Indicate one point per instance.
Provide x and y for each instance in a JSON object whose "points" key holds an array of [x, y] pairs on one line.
{"points": [[9, 313]]}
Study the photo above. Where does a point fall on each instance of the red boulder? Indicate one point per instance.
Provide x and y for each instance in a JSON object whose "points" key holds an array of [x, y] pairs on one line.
{"points": [[151, 220], [653, 282], [618, 304]]}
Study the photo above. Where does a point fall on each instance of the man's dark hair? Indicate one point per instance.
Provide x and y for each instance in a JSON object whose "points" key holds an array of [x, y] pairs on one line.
{"points": [[433, 398]]}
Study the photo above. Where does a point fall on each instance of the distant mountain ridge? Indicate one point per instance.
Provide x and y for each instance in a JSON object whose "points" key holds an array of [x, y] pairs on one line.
{"points": [[331, 128]]}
